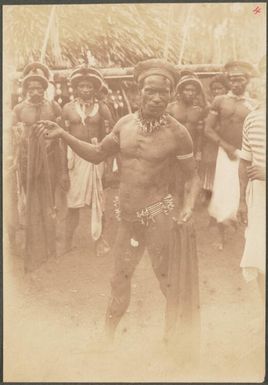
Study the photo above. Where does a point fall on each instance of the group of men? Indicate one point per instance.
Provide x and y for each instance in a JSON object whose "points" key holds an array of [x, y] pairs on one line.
{"points": [[159, 143]]}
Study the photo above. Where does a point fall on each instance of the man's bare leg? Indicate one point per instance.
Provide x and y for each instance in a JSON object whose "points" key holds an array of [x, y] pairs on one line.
{"points": [[101, 245], [221, 228], [72, 222]]}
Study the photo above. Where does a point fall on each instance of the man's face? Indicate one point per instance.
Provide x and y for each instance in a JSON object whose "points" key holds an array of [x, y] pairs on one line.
{"points": [[217, 88], [35, 91], [85, 89], [238, 84], [155, 96], [189, 93]]}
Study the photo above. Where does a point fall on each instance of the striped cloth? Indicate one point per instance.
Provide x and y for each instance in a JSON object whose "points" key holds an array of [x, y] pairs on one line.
{"points": [[254, 151], [254, 138]]}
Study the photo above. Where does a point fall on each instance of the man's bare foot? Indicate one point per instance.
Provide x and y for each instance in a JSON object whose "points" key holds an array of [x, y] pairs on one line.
{"points": [[102, 247]]}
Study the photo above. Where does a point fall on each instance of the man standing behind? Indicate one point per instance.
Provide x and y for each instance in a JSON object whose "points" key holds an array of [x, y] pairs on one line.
{"points": [[228, 112], [252, 173], [89, 121], [147, 140], [38, 165], [188, 109]]}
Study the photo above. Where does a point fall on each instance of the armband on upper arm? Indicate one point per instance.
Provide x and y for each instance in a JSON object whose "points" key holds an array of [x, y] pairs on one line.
{"points": [[185, 156]]}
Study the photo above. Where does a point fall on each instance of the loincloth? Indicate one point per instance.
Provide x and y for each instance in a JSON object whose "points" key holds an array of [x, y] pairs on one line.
{"points": [[147, 215], [86, 189]]}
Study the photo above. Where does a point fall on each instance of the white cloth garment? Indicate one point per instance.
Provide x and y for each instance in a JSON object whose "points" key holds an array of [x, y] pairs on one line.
{"points": [[86, 189], [254, 256], [226, 190]]}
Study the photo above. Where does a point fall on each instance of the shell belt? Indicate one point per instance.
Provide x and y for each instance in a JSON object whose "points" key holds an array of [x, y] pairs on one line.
{"points": [[146, 215]]}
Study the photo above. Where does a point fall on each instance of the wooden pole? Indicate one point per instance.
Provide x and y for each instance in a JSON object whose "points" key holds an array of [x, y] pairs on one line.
{"points": [[44, 47], [167, 42], [185, 32]]}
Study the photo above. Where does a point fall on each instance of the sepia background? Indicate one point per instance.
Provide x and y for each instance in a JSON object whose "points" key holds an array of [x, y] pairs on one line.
{"points": [[53, 318]]}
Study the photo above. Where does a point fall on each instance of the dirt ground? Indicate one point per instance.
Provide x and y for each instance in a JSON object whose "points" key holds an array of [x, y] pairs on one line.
{"points": [[54, 317]]}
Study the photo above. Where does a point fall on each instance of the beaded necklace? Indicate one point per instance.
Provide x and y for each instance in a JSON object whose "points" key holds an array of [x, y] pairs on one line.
{"points": [[148, 126]]}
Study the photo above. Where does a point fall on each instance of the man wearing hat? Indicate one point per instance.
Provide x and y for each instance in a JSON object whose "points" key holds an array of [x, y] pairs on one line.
{"points": [[228, 112], [38, 165], [189, 109], [146, 141], [89, 120], [190, 106]]}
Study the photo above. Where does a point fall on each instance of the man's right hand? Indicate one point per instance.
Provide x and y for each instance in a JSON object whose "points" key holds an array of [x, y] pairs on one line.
{"points": [[230, 151], [50, 130], [242, 213]]}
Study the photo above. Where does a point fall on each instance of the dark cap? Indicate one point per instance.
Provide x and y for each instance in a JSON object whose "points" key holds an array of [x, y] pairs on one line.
{"points": [[155, 67], [239, 68], [188, 77], [88, 73], [36, 71]]}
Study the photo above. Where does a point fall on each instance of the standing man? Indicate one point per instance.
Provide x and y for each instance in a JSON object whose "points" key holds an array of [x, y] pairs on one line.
{"points": [[146, 141], [228, 113], [188, 109], [37, 165], [218, 86], [252, 174], [89, 121]]}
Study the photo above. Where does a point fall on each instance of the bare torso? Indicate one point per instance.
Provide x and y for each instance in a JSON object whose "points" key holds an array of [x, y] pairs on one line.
{"points": [[145, 163], [232, 113], [93, 125]]}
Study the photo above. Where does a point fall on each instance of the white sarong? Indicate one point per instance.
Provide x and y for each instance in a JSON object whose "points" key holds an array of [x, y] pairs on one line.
{"points": [[86, 189], [226, 190], [254, 256]]}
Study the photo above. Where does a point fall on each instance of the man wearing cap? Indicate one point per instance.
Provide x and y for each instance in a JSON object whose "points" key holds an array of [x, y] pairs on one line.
{"points": [[89, 120], [38, 165], [189, 107], [146, 140], [252, 175], [228, 112]]}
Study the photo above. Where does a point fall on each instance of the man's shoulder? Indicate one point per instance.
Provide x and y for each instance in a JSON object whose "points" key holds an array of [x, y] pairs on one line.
{"points": [[125, 120], [178, 129], [19, 107]]}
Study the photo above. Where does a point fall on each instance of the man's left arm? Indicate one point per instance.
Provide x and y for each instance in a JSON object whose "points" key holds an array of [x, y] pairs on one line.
{"points": [[187, 164]]}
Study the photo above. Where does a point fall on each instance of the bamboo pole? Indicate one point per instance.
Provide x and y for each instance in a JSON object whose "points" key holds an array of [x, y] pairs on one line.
{"points": [[126, 73], [185, 32], [50, 20], [167, 41]]}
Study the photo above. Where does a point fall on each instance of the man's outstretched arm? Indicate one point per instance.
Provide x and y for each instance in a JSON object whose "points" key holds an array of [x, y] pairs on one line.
{"points": [[93, 153]]}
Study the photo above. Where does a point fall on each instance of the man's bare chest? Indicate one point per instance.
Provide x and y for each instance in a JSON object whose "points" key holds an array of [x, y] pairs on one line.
{"points": [[187, 115], [156, 146], [235, 110]]}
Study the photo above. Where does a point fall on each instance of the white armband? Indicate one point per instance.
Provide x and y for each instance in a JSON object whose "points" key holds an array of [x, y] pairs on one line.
{"points": [[185, 156]]}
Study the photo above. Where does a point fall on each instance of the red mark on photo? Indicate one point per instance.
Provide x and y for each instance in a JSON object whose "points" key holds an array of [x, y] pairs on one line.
{"points": [[257, 10]]}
